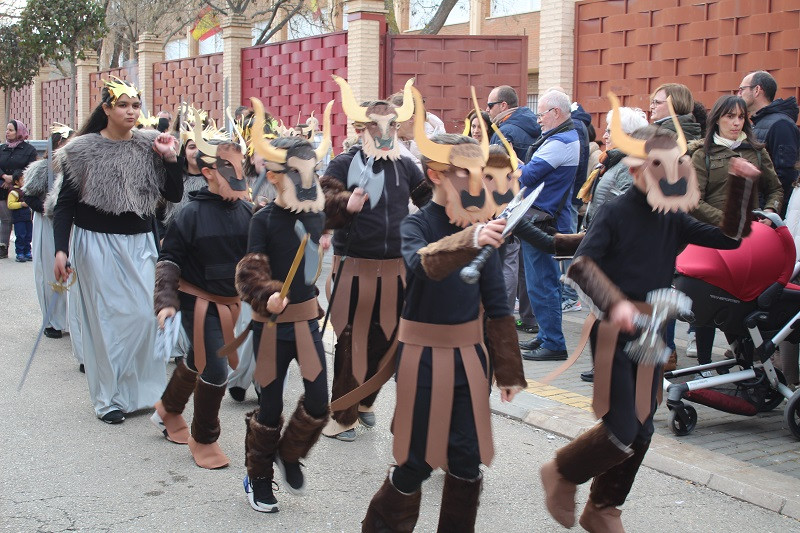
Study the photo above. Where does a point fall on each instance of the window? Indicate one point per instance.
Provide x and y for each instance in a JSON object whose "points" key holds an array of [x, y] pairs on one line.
{"points": [[212, 45], [503, 8], [176, 49], [533, 102], [421, 12]]}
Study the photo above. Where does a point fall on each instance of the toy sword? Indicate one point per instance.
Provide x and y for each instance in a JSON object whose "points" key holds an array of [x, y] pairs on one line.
{"points": [[59, 289], [298, 257], [513, 213]]}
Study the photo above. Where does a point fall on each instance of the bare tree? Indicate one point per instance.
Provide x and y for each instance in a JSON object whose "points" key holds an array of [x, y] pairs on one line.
{"points": [[439, 18], [274, 13]]}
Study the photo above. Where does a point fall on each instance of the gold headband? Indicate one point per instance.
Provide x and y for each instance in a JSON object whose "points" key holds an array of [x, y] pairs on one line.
{"points": [[62, 129], [117, 87]]}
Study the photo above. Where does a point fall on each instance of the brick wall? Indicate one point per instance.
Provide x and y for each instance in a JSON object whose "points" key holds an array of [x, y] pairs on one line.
{"points": [[96, 82], [197, 80], [293, 78], [20, 108], [55, 103], [633, 47], [446, 67]]}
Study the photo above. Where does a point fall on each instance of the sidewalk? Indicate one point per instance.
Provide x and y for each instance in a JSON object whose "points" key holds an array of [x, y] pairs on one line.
{"points": [[755, 459]]}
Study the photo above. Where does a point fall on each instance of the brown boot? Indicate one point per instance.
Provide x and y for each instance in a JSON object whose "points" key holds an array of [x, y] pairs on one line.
{"points": [[672, 362], [300, 435], [260, 444], [459, 504], [590, 454], [391, 511], [609, 491], [205, 426], [168, 416]]}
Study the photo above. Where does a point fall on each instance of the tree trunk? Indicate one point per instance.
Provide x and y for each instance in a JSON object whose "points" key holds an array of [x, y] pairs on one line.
{"points": [[391, 18], [439, 18]]}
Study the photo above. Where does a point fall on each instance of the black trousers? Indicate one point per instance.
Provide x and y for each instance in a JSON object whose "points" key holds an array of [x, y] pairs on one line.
{"points": [[216, 370], [621, 419], [316, 392], [463, 454]]}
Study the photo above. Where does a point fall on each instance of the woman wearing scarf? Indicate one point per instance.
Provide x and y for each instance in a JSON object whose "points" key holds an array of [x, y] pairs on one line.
{"points": [[15, 154], [729, 135]]}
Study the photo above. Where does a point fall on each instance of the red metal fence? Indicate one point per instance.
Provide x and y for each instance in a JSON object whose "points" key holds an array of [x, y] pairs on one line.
{"points": [[96, 81], [197, 80], [20, 108], [55, 103]]}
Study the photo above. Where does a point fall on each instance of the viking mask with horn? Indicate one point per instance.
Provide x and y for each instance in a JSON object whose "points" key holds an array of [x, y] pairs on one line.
{"points": [[460, 163], [670, 181], [501, 175], [221, 165], [291, 163], [378, 120]]}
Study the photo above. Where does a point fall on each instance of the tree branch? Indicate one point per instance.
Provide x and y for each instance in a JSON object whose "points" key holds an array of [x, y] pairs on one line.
{"points": [[439, 18]]}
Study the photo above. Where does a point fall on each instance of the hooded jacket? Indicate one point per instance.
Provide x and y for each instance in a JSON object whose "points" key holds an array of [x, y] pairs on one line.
{"points": [[775, 126], [690, 127], [521, 129], [581, 119]]}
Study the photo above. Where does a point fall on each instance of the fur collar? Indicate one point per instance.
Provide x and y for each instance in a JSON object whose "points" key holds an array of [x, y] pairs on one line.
{"points": [[114, 176], [36, 178]]}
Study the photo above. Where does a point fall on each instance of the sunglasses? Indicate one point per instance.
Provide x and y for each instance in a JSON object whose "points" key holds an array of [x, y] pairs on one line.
{"points": [[492, 104]]}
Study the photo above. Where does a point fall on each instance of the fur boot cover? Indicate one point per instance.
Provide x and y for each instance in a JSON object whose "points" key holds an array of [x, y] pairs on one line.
{"points": [[336, 198], [391, 511], [742, 185], [343, 379], [591, 454], [254, 282], [594, 283], [260, 445], [205, 426], [301, 434], [503, 347], [168, 416], [114, 176], [441, 258], [168, 275], [459, 504]]}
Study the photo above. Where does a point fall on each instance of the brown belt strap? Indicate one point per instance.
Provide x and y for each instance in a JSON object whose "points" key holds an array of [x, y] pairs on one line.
{"points": [[228, 309], [584, 338]]}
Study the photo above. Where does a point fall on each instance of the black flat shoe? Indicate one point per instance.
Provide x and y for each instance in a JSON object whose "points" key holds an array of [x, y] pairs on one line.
{"points": [[113, 417], [81, 368], [52, 333], [237, 393], [588, 377], [530, 345], [543, 354]]}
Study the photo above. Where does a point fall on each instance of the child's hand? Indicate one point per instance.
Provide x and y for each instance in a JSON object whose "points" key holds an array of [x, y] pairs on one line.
{"points": [[164, 314], [275, 305]]}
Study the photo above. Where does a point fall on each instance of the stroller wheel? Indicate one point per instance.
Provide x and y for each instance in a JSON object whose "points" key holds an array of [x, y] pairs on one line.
{"points": [[772, 397], [792, 414], [682, 420]]}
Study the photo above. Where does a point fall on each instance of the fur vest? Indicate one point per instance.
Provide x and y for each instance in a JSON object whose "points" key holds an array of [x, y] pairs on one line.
{"points": [[113, 176], [36, 178]]}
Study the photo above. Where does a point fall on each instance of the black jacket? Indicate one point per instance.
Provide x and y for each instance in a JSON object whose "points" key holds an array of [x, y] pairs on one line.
{"points": [[775, 126], [17, 158]]}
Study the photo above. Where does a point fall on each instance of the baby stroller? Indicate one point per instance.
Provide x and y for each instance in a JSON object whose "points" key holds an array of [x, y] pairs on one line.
{"points": [[747, 295]]}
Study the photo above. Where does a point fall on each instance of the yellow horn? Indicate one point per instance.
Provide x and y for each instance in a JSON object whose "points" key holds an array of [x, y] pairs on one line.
{"points": [[678, 129], [484, 133], [510, 149], [351, 108], [428, 148], [467, 127], [207, 149], [406, 111], [260, 146], [237, 132], [325, 144], [622, 141]]}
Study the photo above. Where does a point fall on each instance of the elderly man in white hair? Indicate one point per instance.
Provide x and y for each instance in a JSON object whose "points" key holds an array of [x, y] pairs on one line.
{"points": [[554, 162]]}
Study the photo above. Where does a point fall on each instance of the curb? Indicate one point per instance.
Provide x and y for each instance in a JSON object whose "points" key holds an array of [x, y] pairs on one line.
{"points": [[740, 480]]}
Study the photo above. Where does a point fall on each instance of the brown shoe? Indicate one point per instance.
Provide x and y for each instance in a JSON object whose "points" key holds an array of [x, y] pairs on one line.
{"points": [[559, 494], [601, 520], [205, 426], [168, 416], [672, 362]]}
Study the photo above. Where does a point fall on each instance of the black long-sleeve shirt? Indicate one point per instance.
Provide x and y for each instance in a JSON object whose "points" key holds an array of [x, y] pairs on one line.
{"points": [[69, 209], [636, 247]]}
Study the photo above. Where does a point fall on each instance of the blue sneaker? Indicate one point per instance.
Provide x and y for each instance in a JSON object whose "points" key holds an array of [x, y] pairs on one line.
{"points": [[260, 496], [21, 259]]}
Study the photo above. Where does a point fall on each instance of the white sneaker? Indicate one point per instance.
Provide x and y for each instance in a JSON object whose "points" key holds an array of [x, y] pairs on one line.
{"points": [[569, 306], [706, 374], [691, 347]]}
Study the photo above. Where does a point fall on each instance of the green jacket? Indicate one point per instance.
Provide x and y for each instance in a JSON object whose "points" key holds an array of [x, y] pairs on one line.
{"points": [[712, 178]]}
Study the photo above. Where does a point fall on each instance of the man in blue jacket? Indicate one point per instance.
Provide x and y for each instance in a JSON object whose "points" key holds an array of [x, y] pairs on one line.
{"points": [[554, 162], [517, 124]]}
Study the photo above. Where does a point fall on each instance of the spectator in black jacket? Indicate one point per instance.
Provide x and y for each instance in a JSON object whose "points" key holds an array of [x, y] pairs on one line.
{"points": [[15, 154], [774, 124]]}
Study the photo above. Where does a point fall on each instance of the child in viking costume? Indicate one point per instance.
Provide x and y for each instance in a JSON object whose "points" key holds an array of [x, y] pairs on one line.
{"points": [[367, 190], [195, 273], [113, 177], [443, 372], [276, 278], [629, 251], [39, 180]]}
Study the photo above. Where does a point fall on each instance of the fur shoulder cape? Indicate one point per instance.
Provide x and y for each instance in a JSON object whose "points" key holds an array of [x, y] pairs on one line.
{"points": [[114, 176], [36, 178]]}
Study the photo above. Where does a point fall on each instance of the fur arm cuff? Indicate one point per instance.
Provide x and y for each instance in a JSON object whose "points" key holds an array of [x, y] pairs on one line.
{"points": [[166, 292], [595, 284], [567, 243], [254, 282], [501, 342], [737, 215], [336, 197], [441, 258]]}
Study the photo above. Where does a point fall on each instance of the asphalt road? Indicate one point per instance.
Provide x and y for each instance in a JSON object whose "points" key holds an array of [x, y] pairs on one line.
{"points": [[64, 470]]}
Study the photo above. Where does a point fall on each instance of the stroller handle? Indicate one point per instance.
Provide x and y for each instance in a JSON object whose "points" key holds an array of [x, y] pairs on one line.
{"points": [[776, 220]]}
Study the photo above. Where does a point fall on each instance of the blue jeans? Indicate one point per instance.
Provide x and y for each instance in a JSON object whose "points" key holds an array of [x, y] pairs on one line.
{"points": [[544, 291], [24, 233]]}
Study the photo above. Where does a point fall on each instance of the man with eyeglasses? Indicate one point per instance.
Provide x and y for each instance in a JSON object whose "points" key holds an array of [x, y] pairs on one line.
{"points": [[774, 123], [554, 162]]}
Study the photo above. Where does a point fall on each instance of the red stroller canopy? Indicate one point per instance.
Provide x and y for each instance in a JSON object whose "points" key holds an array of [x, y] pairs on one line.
{"points": [[767, 255]]}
